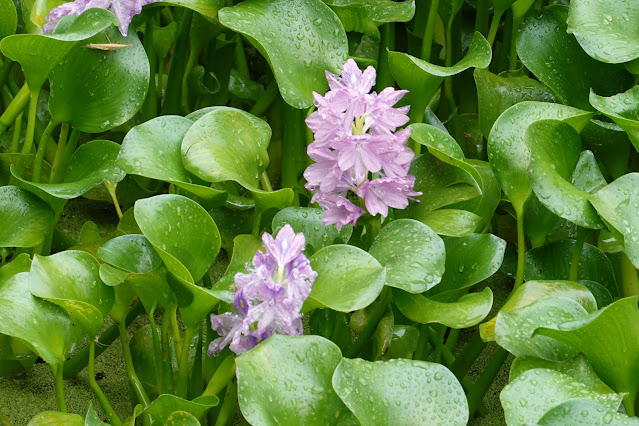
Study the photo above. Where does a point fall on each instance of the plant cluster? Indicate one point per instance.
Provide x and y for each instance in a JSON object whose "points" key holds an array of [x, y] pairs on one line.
{"points": [[394, 190]]}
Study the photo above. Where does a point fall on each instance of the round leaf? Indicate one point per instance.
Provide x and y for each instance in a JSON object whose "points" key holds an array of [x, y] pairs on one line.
{"points": [[586, 412], [451, 222], [132, 253], [26, 218], [412, 254], [287, 380], [165, 405], [300, 39], [623, 109], [348, 278], [416, 392]]}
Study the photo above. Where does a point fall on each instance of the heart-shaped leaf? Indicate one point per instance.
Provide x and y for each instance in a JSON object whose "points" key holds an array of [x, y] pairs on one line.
{"points": [[300, 39], [412, 254], [287, 380], [348, 278], [469, 310], [452, 222], [586, 412], [27, 219], [383, 392], [96, 91], [606, 31], [557, 60], [555, 149], [153, 150], [623, 109], [527, 398], [165, 405], [132, 253]]}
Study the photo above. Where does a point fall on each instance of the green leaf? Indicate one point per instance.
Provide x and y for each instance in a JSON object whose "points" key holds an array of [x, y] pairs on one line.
{"points": [[552, 262], [165, 405], [452, 222], [557, 60], [610, 340], [182, 418], [42, 326], [29, 217], [132, 253], [244, 249], [153, 150], [617, 205], [610, 145], [469, 310], [555, 149], [287, 380], [207, 8], [422, 79], [348, 278], [71, 280], [527, 398], [366, 16], [39, 54], [496, 94], [606, 31], [532, 291], [300, 39], [623, 109], [383, 392], [403, 342], [92, 164], [182, 232], [9, 18], [412, 255], [92, 417], [470, 260], [94, 90], [508, 154], [586, 412], [55, 418], [587, 175], [309, 221]]}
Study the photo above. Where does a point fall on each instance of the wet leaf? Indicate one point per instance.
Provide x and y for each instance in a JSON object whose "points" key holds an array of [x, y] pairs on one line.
{"points": [[587, 412], [9, 18], [452, 222], [165, 405], [55, 418], [27, 219], [623, 109]]}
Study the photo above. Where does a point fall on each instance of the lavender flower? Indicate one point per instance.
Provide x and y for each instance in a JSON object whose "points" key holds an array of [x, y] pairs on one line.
{"points": [[123, 9], [269, 297], [355, 136]]}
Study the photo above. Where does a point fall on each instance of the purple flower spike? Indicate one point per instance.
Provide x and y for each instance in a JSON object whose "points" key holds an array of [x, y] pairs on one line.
{"points": [[357, 148], [269, 297], [123, 9]]}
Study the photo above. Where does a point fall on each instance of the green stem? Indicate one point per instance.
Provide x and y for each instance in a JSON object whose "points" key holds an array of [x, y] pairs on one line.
{"points": [[265, 101], [448, 88], [266, 182], [150, 106], [28, 139], [385, 299], [39, 159], [481, 18], [173, 96], [14, 109], [59, 387], [451, 340], [80, 360], [384, 76], [240, 58], [227, 412], [477, 392], [17, 130], [5, 70], [104, 402], [5, 421], [521, 247], [573, 274], [629, 403], [424, 348], [63, 157], [429, 29], [629, 280], [513, 43], [130, 369], [157, 349], [293, 146], [183, 369], [470, 353], [222, 376], [494, 26], [167, 372], [175, 329], [111, 187]]}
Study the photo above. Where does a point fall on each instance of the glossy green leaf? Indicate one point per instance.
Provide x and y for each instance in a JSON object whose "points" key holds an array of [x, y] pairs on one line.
{"points": [[610, 145], [527, 398], [132, 253], [182, 418], [609, 338], [586, 412], [94, 90], [496, 94], [486, 204], [309, 221], [452, 222], [71, 280], [92, 417], [383, 392], [617, 204], [532, 291], [606, 31], [422, 79], [587, 175], [287, 380], [181, 231], [92, 164], [469, 310], [557, 60], [40, 325], [165, 405], [39, 54], [348, 278], [27, 219], [507, 151], [244, 249], [55, 418], [366, 16], [9, 18], [300, 39], [555, 149], [412, 255], [403, 342], [552, 262], [623, 109], [153, 150], [470, 260]]}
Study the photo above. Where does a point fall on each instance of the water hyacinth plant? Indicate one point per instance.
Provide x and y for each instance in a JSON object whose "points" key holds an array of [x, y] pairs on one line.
{"points": [[300, 212]]}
